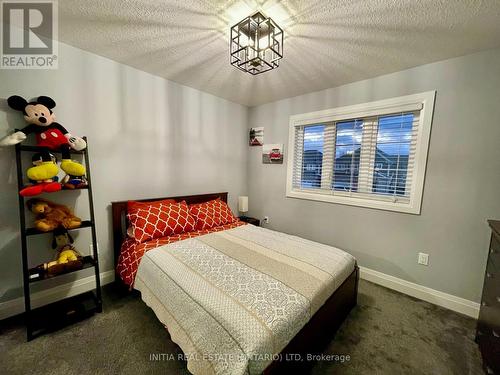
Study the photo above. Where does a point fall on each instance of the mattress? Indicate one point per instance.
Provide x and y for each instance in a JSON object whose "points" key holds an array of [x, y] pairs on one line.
{"points": [[232, 300]]}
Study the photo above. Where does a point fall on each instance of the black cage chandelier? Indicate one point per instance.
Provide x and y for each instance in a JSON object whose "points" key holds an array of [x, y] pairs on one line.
{"points": [[256, 44]]}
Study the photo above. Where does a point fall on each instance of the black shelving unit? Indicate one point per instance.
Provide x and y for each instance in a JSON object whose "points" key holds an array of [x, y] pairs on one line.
{"points": [[72, 308]]}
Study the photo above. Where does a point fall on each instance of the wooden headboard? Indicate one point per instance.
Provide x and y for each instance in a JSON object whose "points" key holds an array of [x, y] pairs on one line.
{"points": [[119, 214]]}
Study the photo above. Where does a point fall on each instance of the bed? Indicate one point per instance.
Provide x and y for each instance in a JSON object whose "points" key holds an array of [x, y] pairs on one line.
{"points": [[240, 299]]}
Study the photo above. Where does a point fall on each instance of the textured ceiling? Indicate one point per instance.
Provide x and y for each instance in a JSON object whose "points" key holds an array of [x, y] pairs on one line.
{"points": [[327, 43]]}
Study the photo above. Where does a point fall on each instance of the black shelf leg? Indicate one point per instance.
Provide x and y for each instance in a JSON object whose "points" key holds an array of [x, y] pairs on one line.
{"points": [[94, 235], [24, 249]]}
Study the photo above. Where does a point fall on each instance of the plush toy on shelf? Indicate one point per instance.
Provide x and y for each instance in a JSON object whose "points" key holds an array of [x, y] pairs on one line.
{"points": [[50, 215], [74, 182], [49, 134], [42, 176], [67, 258]]}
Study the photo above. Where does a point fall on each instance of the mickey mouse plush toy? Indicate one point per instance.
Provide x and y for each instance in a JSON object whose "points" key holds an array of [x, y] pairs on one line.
{"points": [[50, 135]]}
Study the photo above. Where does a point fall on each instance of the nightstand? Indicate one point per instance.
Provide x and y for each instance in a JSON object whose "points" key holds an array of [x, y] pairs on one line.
{"points": [[250, 220]]}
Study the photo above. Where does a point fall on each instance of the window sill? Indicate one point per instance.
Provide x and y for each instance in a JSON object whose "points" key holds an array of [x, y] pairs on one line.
{"points": [[403, 207]]}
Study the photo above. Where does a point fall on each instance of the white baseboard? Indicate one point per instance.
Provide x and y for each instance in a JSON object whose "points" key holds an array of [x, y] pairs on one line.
{"points": [[16, 306], [436, 297]]}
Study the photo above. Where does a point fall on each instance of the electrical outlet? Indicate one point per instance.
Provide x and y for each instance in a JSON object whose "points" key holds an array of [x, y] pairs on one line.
{"points": [[266, 219], [423, 259]]}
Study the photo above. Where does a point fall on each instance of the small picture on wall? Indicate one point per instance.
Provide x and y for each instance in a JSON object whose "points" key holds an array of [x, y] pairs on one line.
{"points": [[256, 136], [272, 153]]}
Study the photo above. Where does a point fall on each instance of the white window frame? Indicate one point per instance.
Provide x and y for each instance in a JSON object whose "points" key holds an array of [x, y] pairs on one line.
{"points": [[422, 101]]}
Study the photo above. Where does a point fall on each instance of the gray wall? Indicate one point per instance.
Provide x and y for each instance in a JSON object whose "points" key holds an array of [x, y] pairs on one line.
{"points": [[461, 188], [148, 137]]}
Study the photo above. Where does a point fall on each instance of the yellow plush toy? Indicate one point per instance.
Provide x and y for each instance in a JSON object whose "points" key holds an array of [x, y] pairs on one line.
{"points": [[67, 257]]}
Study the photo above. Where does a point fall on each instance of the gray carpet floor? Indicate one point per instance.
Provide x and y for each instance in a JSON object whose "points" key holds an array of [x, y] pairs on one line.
{"points": [[387, 333]]}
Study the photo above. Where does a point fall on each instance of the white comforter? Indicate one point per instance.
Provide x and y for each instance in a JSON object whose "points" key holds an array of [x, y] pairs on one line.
{"points": [[233, 299]]}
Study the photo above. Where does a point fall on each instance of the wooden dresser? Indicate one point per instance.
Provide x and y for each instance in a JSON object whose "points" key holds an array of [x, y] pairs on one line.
{"points": [[488, 325]]}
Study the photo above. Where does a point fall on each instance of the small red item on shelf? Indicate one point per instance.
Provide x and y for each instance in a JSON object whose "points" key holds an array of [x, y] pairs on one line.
{"points": [[45, 187]]}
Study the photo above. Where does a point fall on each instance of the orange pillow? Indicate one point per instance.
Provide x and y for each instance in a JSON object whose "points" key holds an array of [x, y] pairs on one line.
{"points": [[159, 219], [211, 214]]}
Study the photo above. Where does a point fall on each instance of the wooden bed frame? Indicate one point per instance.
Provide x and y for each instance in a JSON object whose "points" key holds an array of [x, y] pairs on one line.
{"points": [[312, 338]]}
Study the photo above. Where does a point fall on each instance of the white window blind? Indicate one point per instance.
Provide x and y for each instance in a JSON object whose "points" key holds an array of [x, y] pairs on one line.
{"points": [[369, 155]]}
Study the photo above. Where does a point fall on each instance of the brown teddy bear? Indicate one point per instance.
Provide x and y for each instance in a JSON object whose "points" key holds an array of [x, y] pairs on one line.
{"points": [[50, 215]]}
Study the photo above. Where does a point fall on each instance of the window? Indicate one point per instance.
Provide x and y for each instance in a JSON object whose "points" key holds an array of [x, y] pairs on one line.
{"points": [[347, 152], [394, 137], [312, 157], [371, 155]]}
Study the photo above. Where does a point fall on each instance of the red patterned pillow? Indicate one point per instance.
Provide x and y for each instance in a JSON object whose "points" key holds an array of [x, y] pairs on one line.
{"points": [[134, 205], [159, 219], [211, 214]]}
